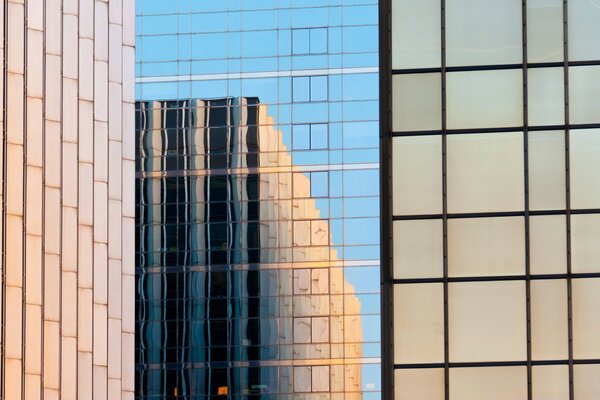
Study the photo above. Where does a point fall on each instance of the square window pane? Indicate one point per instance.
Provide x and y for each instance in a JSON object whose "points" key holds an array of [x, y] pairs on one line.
{"points": [[487, 322], [417, 175], [301, 88], [584, 93], [486, 246], [318, 136], [586, 318], [416, 34], [546, 101], [485, 99], [544, 30], [585, 237], [485, 172], [548, 244], [419, 384], [584, 29], [488, 383], [549, 320], [550, 382], [418, 249], [417, 102], [585, 168], [301, 137], [547, 182], [318, 88], [585, 381], [418, 323], [481, 32]]}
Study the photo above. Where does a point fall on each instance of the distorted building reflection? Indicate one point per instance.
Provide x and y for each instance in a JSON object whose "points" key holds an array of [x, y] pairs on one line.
{"points": [[240, 291]]}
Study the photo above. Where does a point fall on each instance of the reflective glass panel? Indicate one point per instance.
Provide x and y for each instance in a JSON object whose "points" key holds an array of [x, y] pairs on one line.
{"points": [[582, 26], [584, 94], [585, 236], [550, 382], [417, 102], [585, 168], [586, 318], [419, 384], [549, 320], [547, 182], [480, 382], [418, 249], [544, 30], [548, 244], [546, 96]]}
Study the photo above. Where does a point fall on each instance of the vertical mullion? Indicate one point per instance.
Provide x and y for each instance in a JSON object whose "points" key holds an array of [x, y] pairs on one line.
{"points": [[568, 196], [445, 200], [526, 203]]}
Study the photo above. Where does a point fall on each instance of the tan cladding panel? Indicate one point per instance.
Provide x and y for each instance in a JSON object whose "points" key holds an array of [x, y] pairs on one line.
{"points": [[69, 170]]}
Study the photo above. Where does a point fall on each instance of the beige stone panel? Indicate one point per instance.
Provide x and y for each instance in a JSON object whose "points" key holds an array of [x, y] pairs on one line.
{"points": [[419, 384], [84, 376], [585, 381], [115, 13], [16, 37], [35, 50], [100, 335], [51, 363], [53, 85], [14, 116], [550, 382], [35, 125], [128, 249], [86, 194], [114, 229], [86, 19], [586, 318], [549, 317], [115, 110], [548, 244], [100, 273], [100, 150], [51, 287], [14, 322], [101, 31], [585, 252], [86, 253], [14, 251], [114, 388], [33, 278], [489, 383], [70, 39], [12, 378], [114, 288], [128, 25], [100, 90], [100, 383], [70, 102], [52, 25], [14, 179], [100, 212], [68, 359], [129, 188], [128, 120], [52, 220], [115, 159], [69, 242], [128, 72], [35, 16], [86, 62], [127, 361], [71, 7], [128, 302], [84, 320], [33, 384], [51, 394], [115, 54], [52, 165], [33, 340], [86, 131], [114, 348], [69, 304]]}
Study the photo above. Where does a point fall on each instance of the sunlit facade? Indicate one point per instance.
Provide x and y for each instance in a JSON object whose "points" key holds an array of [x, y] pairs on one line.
{"points": [[67, 199], [258, 212], [491, 199]]}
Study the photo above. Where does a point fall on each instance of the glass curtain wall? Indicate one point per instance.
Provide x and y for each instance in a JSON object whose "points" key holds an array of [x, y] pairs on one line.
{"points": [[257, 191], [494, 217]]}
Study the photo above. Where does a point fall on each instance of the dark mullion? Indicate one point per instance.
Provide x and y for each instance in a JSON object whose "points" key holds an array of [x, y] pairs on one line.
{"points": [[497, 130], [568, 197], [445, 201], [486, 364]]}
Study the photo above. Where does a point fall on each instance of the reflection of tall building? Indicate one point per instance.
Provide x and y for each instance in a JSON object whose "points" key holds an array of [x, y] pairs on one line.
{"points": [[239, 291]]}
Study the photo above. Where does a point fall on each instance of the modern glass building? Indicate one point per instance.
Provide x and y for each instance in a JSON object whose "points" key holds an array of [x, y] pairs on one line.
{"points": [[257, 251], [490, 199]]}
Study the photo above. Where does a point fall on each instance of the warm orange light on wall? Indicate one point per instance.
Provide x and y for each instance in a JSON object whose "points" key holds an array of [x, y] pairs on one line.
{"points": [[223, 390]]}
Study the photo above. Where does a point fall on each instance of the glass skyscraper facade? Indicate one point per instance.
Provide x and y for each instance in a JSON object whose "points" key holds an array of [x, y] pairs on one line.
{"points": [[490, 199], [257, 181]]}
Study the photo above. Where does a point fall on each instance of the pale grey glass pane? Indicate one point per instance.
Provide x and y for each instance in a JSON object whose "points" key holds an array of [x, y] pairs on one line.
{"points": [[550, 382], [487, 383], [585, 381], [485, 99], [549, 319], [481, 32], [544, 30], [547, 182], [487, 321], [419, 384], [418, 323], [417, 175], [585, 239], [486, 246], [584, 94], [546, 96], [585, 168], [548, 244], [586, 318], [417, 102], [418, 249], [416, 34], [485, 172], [584, 30]]}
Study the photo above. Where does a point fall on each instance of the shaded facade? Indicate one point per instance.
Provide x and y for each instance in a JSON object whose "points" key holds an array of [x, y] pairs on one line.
{"points": [[67, 199], [240, 292], [490, 199]]}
